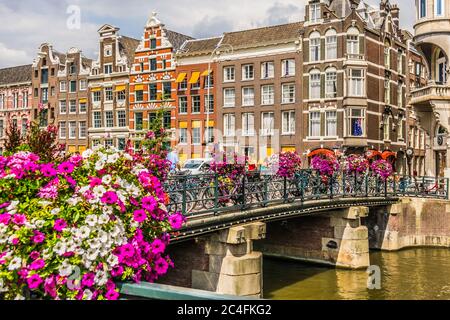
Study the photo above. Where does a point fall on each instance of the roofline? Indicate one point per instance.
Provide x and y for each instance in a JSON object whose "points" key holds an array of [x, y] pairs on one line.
{"points": [[266, 27]]}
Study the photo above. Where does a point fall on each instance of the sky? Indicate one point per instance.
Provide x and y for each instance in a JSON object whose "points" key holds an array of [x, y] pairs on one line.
{"points": [[25, 24]]}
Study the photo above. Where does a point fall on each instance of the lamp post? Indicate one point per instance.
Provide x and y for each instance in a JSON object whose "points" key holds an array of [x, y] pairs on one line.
{"points": [[228, 48]]}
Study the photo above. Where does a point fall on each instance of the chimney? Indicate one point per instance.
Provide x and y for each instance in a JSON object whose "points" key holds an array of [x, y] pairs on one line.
{"points": [[395, 13]]}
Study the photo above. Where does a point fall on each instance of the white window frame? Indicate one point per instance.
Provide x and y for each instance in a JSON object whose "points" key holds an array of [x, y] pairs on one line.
{"points": [[314, 12], [63, 86], [108, 66], [72, 130], [387, 91], [96, 120], [61, 110], [109, 89], [62, 133], [288, 68], [248, 127], [288, 122], [331, 82], [83, 87], [229, 74], [229, 124], [248, 96], [315, 90], [98, 94], [356, 83], [350, 117], [71, 105], [229, 101], [315, 119], [442, 2], [80, 130], [331, 120], [79, 107], [248, 72], [331, 46], [267, 95], [119, 112], [288, 93], [267, 70], [422, 14], [111, 118], [314, 46], [270, 131], [352, 43]]}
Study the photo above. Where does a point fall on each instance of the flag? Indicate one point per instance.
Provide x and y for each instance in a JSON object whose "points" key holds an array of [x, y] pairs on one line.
{"points": [[357, 128]]}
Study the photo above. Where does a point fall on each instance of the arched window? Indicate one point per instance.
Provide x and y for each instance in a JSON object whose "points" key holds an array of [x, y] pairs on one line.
{"points": [[353, 43], [387, 54], [330, 83], [422, 8], [314, 46], [331, 44], [314, 84], [439, 7]]}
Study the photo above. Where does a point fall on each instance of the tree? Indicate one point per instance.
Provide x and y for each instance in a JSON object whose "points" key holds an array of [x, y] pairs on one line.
{"points": [[44, 142], [13, 137]]}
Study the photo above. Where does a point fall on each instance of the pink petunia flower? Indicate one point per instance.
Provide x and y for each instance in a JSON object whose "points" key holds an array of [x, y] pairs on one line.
{"points": [[94, 182], [34, 255], [5, 218], [112, 295], [139, 215], [88, 280], [37, 264], [66, 168], [117, 271], [34, 281], [149, 204], [38, 237], [59, 225], [19, 219], [109, 197], [158, 246], [176, 221], [161, 266], [47, 170]]}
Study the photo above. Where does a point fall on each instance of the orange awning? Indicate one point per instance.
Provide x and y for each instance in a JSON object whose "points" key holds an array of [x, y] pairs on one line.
{"points": [[387, 154], [194, 78], [370, 154], [321, 152], [181, 77]]}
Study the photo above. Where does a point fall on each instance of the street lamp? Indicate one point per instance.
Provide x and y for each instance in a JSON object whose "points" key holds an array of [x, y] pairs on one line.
{"points": [[227, 49]]}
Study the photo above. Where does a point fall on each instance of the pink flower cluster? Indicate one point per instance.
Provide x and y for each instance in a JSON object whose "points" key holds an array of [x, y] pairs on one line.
{"points": [[357, 164], [325, 165], [289, 163], [382, 169]]}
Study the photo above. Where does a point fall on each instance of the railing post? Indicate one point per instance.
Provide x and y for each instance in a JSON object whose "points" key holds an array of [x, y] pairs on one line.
{"points": [[285, 194], [367, 185], [183, 205], [266, 190], [386, 188], [302, 188], [395, 186], [216, 193], [243, 192], [331, 186]]}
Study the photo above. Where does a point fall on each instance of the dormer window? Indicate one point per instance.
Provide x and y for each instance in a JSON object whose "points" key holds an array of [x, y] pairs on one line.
{"points": [[152, 43], [108, 51], [314, 12]]}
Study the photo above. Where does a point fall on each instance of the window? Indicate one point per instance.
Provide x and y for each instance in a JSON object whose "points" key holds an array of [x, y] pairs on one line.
{"points": [[399, 62], [72, 130], [24, 99], [121, 143], [121, 95], [152, 44], [107, 51], [288, 125], [288, 68], [183, 135], [248, 96], [267, 124], [24, 127], [209, 81], [229, 97], [62, 107], [422, 9], [267, 95], [72, 69], [229, 122], [248, 72], [63, 86], [387, 55], [209, 103], [2, 101], [353, 43], [196, 134], [331, 44], [109, 143], [209, 134], [314, 124], [139, 95], [400, 94], [52, 91], [82, 129], [109, 94], [418, 69], [139, 121], [288, 92], [83, 84], [228, 74], [167, 90], [121, 118], [182, 105], [314, 46], [44, 95], [109, 119], [153, 92], [439, 4], [387, 91], [97, 119], [153, 65], [386, 128], [62, 130], [195, 104], [330, 83], [73, 106], [314, 84], [97, 96], [400, 130], [44, 76], [248, 124], [108, 68], [356, 83], [314, 12], [83, 107], [356, 125], [183, 84], [331, 123], [267, 70]]}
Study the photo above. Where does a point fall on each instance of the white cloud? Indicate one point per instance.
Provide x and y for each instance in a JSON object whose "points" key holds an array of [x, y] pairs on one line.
{"points": [[25, 24]]}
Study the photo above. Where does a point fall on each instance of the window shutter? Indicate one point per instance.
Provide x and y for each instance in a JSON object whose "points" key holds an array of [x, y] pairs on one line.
{"points": [[362, 45], [306, 50], [322, 86], [306, 87], [322, 49], [340, 84]]}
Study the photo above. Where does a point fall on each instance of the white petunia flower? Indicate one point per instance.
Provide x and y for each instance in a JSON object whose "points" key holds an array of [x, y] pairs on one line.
{"points": [[46, 254], [13, 205], [66, 269], [84, 189], [15, 264], [87, 294], [99, 191], [128, 156], [95, 243], [99, 165], [91, 220], [85, 232], [112, 260], [44, 203], [106, 179], [2, 288], [113, 158], [19, 297], [55, 211], [87, 154], [60, 248], [107, 210], [103, 219], [39, 223], [73, 201], [3, 229], [92, 254], [102, 236], [101, 278]]}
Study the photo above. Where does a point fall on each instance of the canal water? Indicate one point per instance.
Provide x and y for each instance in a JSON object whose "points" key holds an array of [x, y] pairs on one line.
{"points": [[412, 274]]}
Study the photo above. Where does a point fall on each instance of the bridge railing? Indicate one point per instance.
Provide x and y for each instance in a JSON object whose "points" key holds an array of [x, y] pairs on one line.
{"points": [[214, 194]]}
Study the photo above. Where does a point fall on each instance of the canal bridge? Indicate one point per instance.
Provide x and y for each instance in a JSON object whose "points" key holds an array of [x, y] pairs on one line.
{"points": [[231, 223]]}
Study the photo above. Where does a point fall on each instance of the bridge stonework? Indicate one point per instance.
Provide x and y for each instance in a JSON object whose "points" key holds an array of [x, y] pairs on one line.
{"points": [[413, 222], [335, 238]]}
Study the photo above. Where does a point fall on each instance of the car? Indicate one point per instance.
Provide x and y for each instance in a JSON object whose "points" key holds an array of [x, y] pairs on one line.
{"points": [[197, 166]]}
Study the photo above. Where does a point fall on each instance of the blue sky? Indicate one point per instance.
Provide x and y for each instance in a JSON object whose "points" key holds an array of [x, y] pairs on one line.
{"points": [[25, 24]]}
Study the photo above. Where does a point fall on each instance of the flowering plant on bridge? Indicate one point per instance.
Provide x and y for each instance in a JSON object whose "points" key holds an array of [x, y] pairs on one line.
{"points": [[286, 164], [326, 165], [357, 164], [70, 230], [382, 169]]}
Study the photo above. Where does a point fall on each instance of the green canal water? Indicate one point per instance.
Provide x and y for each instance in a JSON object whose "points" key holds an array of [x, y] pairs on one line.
{"points": [[412, 274]]}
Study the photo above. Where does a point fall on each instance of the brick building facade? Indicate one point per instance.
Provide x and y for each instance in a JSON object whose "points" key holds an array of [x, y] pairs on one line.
{"points": [[15, 100]]}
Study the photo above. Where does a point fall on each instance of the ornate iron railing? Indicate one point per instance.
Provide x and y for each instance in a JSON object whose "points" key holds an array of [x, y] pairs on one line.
{"points": [[214, 194]]}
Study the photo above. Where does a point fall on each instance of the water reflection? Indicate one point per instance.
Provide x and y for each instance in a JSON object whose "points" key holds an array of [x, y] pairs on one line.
{"points": [[408, 274]]}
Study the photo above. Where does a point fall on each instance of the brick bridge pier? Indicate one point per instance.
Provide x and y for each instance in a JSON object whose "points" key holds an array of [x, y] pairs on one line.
{"points": [[230, 261]]}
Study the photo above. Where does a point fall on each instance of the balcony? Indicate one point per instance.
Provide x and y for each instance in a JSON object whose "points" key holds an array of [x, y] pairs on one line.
{"points": [[430, 93]]}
